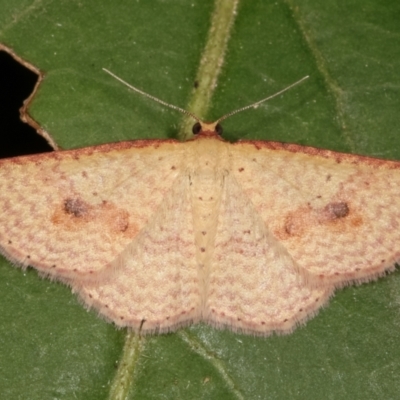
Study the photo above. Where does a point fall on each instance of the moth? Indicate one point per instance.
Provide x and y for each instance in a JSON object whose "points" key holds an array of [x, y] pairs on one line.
{"points": [[252, 236]]}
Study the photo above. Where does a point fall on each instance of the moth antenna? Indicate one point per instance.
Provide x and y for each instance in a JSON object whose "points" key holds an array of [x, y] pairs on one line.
{"points": [[261, 101], [152, 97]]}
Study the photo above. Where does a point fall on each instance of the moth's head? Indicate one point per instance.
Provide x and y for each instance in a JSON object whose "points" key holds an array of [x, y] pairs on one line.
{"points": [[200, 128], [207, 129]]}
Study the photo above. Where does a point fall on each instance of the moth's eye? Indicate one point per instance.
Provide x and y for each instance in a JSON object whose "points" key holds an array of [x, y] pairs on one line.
{"points": [[219, 129], [196, 128]]}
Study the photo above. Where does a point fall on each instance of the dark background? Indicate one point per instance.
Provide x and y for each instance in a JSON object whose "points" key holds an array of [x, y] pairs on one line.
{"points": [[16, 84]]}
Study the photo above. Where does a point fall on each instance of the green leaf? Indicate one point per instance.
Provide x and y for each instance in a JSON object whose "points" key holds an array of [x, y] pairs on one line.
{"points": [[50, 346]]}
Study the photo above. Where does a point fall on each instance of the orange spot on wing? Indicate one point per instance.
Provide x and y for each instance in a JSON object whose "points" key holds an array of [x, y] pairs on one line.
{"points": [[335, 217], [75, 214]]}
